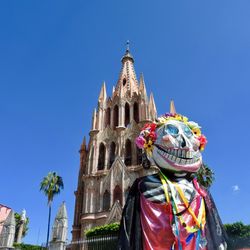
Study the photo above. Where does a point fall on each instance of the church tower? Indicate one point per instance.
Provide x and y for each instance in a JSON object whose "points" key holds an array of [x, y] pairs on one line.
{"points": [[111, 161]]}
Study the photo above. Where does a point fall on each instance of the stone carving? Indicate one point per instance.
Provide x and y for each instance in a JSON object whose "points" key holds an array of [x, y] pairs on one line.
{"points": [[8, 232]]}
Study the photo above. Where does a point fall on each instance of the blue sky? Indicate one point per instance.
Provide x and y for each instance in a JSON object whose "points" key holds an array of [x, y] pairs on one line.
{"points": [[54, 56]]}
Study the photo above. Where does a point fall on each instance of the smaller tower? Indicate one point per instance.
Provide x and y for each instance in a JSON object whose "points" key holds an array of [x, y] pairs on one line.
{"points": [[8, 232], [59, 230]]}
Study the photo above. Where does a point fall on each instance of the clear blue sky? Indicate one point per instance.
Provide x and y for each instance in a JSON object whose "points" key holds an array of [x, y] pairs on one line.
{"points": [[54, 56]]}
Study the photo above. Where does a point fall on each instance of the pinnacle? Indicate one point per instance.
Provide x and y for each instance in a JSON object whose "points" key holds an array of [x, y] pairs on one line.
{"points": [[103, 93], [62, 212], [172, 108]]}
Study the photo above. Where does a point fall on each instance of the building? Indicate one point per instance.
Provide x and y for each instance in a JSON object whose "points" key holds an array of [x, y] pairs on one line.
{"points": [[111, 162], [4, 212]]}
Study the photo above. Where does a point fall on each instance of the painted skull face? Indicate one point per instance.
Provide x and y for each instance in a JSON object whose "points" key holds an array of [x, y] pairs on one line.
{"points": [[173, 143], [177, 148]]}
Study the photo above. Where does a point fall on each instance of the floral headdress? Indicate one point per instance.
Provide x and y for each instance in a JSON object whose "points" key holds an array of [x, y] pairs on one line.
{"points": [[148, 133]]}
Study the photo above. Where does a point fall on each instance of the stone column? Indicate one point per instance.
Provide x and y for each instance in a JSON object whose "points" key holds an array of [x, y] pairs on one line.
{"points": [[122, 116], [131, 112]]}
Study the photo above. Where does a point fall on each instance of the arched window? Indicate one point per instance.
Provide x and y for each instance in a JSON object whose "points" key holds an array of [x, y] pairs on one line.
{"points": [[107, 120], [139, 156], [116, 116], [136, 112], [106, 200], [118, 194], [127, 114], [111, 154], [124, 81], [101, 158], [128, 153], [91, 160]]}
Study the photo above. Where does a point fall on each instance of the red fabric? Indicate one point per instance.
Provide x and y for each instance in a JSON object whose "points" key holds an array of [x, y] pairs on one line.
{"points": [[156, 227]]}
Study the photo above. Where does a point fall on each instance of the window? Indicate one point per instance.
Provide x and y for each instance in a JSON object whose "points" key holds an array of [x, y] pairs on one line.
{"points": [[124, 81], [136, 112], [106, 200], [116, 116], [107, 120], [127, 114], [128, 153], [111, 154], [118, 194], [101, 158]]}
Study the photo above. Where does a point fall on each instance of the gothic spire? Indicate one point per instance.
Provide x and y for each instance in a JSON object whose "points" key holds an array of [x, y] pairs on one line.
{"points": [[62, 212], [127, 55], [127, 81], [103, 93], [83, 146], [94, 120], [152, 107], [142, 87], [59, 229], [172, 108]]}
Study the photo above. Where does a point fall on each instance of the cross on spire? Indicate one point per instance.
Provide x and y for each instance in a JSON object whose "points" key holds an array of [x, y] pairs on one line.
{"points": [[127, 45]]}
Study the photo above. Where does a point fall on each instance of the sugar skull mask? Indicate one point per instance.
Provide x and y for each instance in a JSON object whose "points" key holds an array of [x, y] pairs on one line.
{"points": [[173, 143]]}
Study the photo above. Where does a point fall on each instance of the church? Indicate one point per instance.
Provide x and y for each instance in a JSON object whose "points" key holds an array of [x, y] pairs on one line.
{"points": [[110, 161]]}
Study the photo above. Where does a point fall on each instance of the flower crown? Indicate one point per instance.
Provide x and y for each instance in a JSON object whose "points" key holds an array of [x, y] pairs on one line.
{"points": [[148, 133]]}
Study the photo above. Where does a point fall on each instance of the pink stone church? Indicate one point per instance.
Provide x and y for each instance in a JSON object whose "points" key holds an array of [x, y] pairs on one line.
{"points": [[110, 161]]}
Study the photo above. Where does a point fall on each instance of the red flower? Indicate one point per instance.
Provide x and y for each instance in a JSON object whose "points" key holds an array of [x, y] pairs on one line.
{"points": [[149, 126], [153, 136], [153, 126], [203, 141], [146, 126]]}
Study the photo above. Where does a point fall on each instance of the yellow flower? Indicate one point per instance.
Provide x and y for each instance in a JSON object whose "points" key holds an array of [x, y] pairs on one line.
{"points": [[178, 117], [185, 119], [149, 147], [162, 120], [196, 131]]}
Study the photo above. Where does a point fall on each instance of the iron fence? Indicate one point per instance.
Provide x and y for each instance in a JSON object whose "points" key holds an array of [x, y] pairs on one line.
{"points": [[102, 242]]}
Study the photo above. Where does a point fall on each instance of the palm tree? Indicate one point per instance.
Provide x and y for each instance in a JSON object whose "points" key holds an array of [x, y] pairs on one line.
{"points": [[51, 185]]}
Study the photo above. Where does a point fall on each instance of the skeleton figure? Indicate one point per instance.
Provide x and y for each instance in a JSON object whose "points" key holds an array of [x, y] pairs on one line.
{"points": [[169, 210]]}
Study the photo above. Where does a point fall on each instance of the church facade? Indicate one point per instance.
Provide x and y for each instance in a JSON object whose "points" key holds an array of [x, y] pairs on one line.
{"points": [[110, 161]]}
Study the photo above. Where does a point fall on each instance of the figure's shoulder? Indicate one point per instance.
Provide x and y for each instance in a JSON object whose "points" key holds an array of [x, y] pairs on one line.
{"points": [[149, 182]]}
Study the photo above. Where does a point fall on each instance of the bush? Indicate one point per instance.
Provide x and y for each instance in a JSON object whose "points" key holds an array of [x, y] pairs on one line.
{"points": [[238, 234], [23, 246], [103, 230]]}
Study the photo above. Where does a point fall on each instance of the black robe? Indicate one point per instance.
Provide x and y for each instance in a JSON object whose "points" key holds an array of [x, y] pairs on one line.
{"points": [[130, 235]]}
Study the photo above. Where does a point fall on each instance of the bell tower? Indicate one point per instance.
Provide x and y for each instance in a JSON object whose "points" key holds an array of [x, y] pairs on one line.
{"points": [[111, 161]]}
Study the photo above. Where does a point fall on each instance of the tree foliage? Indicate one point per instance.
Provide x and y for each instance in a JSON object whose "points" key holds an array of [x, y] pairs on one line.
{"points": [[237, 229], [103, 230], [51, 185], [23, 246], [18, 224], [205, 176], [238, 234]]}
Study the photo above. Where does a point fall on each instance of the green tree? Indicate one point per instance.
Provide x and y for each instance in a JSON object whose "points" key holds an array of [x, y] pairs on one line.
{"points": [[238, 234], [18, 224], [51, 185], [205, 176]]}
